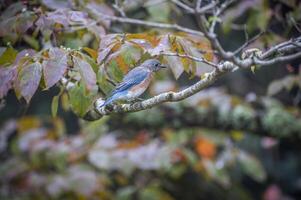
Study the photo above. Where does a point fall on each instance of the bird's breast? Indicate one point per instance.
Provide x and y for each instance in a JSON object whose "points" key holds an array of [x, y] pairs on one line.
{"points": [[138, 89]]}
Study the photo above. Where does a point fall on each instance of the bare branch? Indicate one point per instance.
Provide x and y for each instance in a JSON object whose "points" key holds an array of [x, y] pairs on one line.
{"points": [[177, 27], [183, 5], [248, 42], [119, 8], [283, 47]]}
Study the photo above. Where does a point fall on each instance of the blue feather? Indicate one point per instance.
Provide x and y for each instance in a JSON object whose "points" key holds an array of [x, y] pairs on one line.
{"points": [[134, 77]]}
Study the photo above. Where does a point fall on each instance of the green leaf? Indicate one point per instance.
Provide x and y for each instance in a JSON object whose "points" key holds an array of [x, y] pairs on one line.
{"points": [[8, 55], [104, 85], [28, 80], [33, 42], [79, 99], [159, 12], [114, 71], [251, 166], [54, 105]]}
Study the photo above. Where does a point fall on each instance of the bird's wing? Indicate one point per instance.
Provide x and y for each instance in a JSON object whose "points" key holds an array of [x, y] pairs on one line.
{"points": [[134, 77]]}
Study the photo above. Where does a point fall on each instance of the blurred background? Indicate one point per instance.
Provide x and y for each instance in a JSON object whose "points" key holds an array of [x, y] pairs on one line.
{"points": [[237, 139]]}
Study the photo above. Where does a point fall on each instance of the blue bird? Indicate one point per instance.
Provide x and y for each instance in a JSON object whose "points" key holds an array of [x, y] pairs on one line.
{"points": [[135, 82]]}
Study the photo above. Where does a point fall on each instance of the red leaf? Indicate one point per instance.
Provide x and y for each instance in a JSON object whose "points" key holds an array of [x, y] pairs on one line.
{"points": [[86, 71], [28, 80], [55, 67]]}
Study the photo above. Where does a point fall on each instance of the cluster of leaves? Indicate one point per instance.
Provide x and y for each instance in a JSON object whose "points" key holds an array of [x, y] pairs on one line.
{"points": [[86, 69], [51, 165], [27, 70]]}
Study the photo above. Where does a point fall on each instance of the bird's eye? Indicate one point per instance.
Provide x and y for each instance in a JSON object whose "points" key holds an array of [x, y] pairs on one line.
{"points": [[157, 64]]}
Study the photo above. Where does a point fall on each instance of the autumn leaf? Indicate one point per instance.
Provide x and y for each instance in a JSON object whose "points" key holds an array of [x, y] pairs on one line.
{"points": [[162, 46], [55, 67], [205, 148], [91, 52], [28, 80]]}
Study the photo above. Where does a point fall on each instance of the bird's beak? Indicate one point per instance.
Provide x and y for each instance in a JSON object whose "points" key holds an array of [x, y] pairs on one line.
{"points": [[163, 66]]}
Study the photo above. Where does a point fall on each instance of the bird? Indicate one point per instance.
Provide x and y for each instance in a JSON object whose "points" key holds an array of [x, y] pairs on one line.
{"points": [[135, 82]]}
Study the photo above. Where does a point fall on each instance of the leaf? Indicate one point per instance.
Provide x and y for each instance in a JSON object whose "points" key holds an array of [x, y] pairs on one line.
{"points": [[8, 56], [91, 52], [16, 25], [28, 80], [55, 67], [127, 55], [54, 105], [86, 72], [251, 166], [28, 53], [33, 42], [80, 101], [57, 4], [198, 68], [12, 10], [159, 12], [275, 87], [205, 148], [175, 65], [101, 8], [162, 46], [7, 77], [104, 85]]}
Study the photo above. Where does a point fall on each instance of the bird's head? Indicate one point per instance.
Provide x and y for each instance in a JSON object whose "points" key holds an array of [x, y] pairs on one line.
{"points": [[153, 64]]}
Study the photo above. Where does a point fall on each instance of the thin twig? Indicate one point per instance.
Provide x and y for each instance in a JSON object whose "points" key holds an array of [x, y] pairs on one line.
{"points": [[148, 23], [119, 8], [191, 58], [183, 5], [248, 42]]}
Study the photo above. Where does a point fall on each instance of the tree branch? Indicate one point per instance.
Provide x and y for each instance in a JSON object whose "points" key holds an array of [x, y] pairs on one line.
{"points": [[99, 111], [288, 51], [100, 16]]}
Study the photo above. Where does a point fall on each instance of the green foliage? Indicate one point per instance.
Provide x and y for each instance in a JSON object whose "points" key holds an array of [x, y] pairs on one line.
{"points": [[81, 99]]}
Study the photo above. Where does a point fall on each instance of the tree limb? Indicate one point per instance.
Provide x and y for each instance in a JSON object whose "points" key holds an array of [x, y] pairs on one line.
{"points": [[177, 27], [99, 111]]}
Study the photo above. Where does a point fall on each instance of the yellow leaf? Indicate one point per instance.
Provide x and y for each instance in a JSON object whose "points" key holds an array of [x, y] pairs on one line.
{"points": [[93, 53]]}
